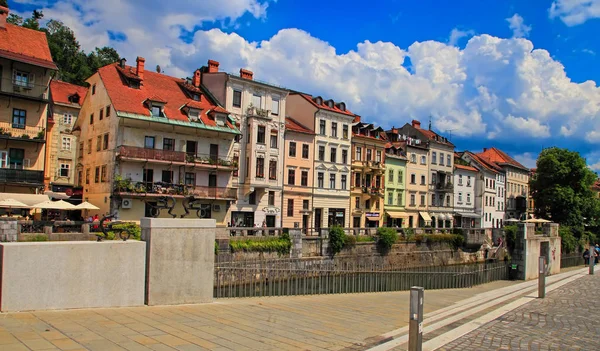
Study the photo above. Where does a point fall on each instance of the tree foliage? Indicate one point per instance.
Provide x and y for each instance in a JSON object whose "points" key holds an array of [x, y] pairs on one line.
{"points": [[562, 188], [4, 3]]}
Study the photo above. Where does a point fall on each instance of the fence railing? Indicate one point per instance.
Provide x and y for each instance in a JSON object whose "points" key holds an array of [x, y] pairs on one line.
{"points": [[311, 277], [571, 260]]}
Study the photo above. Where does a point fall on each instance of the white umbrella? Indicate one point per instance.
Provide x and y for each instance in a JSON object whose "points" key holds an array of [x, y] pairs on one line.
{"points": [[55, 205], [86, 206], [511, 220], [12, 203], [537, 220]]}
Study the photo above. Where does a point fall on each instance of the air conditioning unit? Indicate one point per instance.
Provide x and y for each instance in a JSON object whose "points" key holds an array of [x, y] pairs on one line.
{"points": [[126, 203], [217, 208]]}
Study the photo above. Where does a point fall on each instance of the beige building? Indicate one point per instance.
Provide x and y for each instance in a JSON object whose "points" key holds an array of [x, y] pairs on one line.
{"points": [[331, 122], [26, 68], [258, 109], [155, 145], [298, 176], [61, 147]]}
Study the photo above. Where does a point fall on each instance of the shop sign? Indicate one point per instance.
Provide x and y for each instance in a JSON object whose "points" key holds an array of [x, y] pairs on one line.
{"points": [[271, 210], [372, 214]]}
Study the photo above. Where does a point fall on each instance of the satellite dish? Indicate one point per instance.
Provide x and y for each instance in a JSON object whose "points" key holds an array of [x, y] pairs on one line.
{"points": [[158, 70]]}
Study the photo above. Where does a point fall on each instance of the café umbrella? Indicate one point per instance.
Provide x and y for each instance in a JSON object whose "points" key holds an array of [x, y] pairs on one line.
{"points": [[12, 203], [86, 206], [55, 205]]}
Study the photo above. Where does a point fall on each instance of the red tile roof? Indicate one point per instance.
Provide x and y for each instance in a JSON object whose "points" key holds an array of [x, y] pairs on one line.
{"points": [[293, 125], [25, 45], [431, 135], [169, 90], [466, 168], [485, 162], [324, 106], [61, 91], [500, 157]]}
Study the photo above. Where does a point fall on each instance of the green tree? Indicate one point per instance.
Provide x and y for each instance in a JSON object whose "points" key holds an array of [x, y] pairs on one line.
{"points": [[4, 3], [561, 188], [33, 22], [15, 19]]}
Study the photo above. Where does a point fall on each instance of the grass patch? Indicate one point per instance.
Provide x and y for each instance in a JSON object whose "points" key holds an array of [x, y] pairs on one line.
{"points": [[281, 245]]}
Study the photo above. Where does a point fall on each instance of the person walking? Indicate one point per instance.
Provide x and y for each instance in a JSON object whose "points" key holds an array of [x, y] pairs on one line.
{"points": [[586, 257]]}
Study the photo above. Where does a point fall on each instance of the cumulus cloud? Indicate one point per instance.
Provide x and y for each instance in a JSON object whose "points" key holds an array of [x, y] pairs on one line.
{"points": [[527, 125], [527, 159], [457, 34], [574, 12], [518, 26]]}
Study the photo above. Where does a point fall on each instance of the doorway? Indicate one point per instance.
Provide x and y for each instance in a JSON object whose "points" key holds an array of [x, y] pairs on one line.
{"points": [[270, 221], [305, 224], [214, 152], [318, 218], [190, 148], [148, 178]]}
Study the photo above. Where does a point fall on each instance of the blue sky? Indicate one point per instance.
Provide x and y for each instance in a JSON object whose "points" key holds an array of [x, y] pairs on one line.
{"points": [[518, 75]]}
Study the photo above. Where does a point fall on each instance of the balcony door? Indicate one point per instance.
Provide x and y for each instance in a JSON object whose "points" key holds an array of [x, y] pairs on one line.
{"points": [[148, 178], [191, 147], [16, 158], [212, 180], [214, 152], [3, 159]]}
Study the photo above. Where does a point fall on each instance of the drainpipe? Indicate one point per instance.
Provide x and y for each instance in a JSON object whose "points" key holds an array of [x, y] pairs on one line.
{"points": [[283, 172]]}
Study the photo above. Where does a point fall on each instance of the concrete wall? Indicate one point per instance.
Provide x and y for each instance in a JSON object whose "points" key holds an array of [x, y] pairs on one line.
{"points": [[530, 245], [9, 229], [180, 260], [62, 275]]}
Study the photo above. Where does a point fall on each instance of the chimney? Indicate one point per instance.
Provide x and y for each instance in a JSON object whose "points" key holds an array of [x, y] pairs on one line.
{"points": [[139, 70], [244, 73], [416, 124], [3, 15], [394, 130], [484, 149], [122, 62], [196, 79], [213, 66]]}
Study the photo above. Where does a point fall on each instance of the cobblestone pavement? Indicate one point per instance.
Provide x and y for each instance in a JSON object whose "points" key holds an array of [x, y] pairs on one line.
{"points": [[567, 319]]}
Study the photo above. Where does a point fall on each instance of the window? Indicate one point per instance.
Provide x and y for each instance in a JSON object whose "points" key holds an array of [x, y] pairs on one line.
{"points": [[67, 118], [345, 131], [292, 149], [275, 106], [390, 198], [81, 149], [377, 204], [101, 115], [356, 179], [305, 204], [97, 175], [169, 144], [107, 111], [368, 204], [344, 156], [448, 161], [357, 202], [304, 178], [378, 181], [149, 142], [468, 180], [260, 167], [237, 98], [87, 176], [157, 111], [358, 154], [89, 146], [413, 179], [399, 177], [441, 159], [190, 178], [321, 153], [273, 139], [252, 198], [257, 101], [432, 200], [400, 199], [459, 197], [378, 156], [260, 136], [66, 143], [434, 157], [167, 177], [92, 118], [391, 176], [344, 182], [64, 169], [334, 129], [103, 174], [105, 141], [98, 142], [290, 208], [94, 89], [333, 155], [412, 200], [460, 179], [413, 158], [422, 200], [369, 154], [23, 79], [468, 198], [422, 180], [320, 179], [486, 200], [271, 198], [273, 170], [423, 160], [18, 119], [332, 181], [236, 161], [322, 127], [291, 177], [304, 150]]}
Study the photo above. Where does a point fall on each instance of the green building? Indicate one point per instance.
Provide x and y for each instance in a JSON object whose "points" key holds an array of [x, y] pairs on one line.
{"points": [[395, 190]]}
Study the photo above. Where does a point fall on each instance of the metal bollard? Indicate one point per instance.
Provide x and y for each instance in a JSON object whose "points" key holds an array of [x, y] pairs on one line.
{"points": [[542, 277], [415, 326], [592, 259]]}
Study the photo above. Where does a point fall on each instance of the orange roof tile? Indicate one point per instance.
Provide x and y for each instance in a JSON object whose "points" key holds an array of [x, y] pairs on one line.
{"points": [[431, 135], [485, 162], [25, 45], [500, 157], [293, 125], [325, 107], [466, 168], [169, 90], [61, 91]]}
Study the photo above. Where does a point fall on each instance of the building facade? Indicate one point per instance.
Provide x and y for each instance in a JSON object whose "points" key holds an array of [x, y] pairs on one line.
{"points": [[332, 124], [259, 110], [368, 175], [155, 145], [61, 147], [395, 187], [298, 176], [465, 185], [26, 68]]}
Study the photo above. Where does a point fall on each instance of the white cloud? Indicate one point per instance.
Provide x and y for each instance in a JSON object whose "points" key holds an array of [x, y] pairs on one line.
{"points": [[457, 34], [492, 87], [589, 51], [574, 12], [518, 26], [527, 159], [593, 137]]}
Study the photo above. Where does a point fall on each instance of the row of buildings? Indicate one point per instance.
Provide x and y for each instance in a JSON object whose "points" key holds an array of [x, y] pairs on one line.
{"points": [[227, 146]]}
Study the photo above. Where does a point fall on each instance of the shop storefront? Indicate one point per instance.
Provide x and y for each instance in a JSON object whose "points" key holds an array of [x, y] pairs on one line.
{"points": [[337, 216]]}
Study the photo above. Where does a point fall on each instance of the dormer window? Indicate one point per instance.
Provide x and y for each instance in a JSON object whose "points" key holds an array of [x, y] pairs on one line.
{"points": [[220, 120], [157, 111], [342, 106], [134, 84], [74, 99], [196, 97], [330, 103], [193, 114], [318, 100]]}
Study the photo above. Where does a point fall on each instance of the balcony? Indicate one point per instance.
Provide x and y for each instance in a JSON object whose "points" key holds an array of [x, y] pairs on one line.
{"points": [[446, 187], [21, 89], [144, 189], [258, 112], [161, 156], [20, 132], [21, 177]]}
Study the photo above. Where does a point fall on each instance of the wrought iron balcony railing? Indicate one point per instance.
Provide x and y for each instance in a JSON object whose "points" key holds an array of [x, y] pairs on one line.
{"points": [[21, 176]]}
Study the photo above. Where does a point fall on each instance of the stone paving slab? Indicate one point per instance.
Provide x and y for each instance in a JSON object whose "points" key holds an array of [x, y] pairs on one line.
{"points": [[567, 319], [320, 322]]}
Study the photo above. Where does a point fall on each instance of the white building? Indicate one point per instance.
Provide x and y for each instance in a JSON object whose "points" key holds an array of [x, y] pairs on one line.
{"points": [[465, 189]]}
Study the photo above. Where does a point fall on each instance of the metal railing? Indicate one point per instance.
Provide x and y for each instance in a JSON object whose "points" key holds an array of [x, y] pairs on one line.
{"points": [[571, 260], [163, 188], [176, 156], [23, 88], [258, 278], [21, 131], [21, 176], [255, 231]]}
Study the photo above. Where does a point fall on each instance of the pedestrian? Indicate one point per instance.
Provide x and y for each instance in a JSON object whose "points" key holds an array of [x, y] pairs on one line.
{"points": [[586, 257], [597, 252]]}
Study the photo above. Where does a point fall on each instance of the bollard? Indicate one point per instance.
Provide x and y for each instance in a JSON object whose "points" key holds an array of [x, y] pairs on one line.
{"points": [[542, 278], [415, 326], [592, 259]]}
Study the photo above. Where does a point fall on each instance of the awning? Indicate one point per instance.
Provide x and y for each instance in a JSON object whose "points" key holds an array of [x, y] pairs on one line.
{"points": [[27, 199], [449, 216], [56, 195], [373, 218], [425, 216], [468, 215], [397, 214]]}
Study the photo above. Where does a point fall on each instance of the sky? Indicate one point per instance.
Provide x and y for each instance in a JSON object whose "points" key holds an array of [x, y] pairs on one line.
{"points": [[517, 75]]}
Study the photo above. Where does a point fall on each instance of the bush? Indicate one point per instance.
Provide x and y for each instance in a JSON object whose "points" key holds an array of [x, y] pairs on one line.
{"points": [[350, 241], [337, 239], [386, 237], [38, 237], [510, 231], [133, 228], [281, 245], [363, 238], [568, 242], [587, 239], [455, 240]]}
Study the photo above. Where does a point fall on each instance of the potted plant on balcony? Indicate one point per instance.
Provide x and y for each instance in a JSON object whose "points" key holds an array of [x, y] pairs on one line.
{"points": [[40, 135], [190, 158], [25, 136]]}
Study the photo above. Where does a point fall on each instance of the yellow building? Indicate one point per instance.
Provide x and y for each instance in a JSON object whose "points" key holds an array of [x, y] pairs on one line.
{"points": [[298, 176], [155, 145], [368, 169], [26, 68]]}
